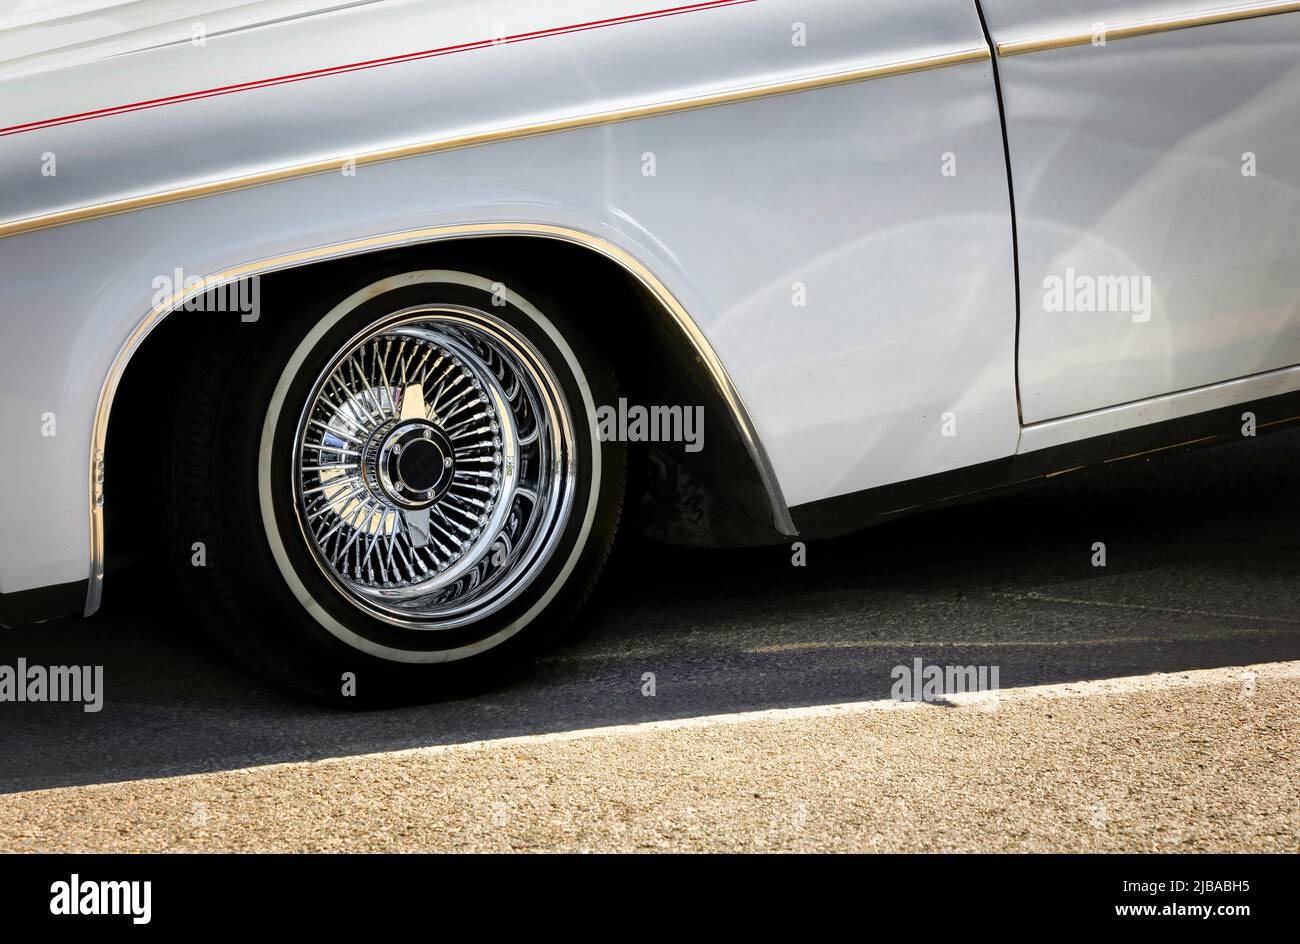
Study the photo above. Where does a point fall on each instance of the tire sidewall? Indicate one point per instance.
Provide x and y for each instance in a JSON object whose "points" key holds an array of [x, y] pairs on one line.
{"points": [[347, 637]]}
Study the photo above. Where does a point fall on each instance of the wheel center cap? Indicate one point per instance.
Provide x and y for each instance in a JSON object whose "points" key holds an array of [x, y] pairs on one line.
{"points": [[421, 465], [411, 463]]}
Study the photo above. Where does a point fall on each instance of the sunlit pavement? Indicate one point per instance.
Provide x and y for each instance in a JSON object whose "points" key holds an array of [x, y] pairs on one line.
{"points": [[1202, 556]]}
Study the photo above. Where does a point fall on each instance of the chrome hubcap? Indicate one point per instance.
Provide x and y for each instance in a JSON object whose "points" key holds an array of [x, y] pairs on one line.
{"points": [[411, 464], [433, 467]]}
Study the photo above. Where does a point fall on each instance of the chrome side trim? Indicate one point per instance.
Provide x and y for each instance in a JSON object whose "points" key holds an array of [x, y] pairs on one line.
{"points": [[333, 165], [1129, 30], [1047, 434], [726, 388]]}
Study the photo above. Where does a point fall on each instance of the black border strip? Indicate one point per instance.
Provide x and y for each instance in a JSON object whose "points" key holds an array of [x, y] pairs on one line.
{"points": [[833, 517], [43, 603]]}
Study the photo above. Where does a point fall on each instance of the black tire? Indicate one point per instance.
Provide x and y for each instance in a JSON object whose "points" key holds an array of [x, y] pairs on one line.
{"points": [[263, 594]]}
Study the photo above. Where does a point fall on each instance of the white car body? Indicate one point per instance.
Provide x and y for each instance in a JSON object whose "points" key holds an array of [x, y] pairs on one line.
{"points": [[819, 195]]}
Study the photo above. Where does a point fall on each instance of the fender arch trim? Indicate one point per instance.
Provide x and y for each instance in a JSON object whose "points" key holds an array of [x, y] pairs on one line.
{"points": [[781, 519]]}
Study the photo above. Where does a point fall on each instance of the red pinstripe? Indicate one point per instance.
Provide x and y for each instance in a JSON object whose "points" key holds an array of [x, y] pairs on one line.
{"points": [[366, 64]]}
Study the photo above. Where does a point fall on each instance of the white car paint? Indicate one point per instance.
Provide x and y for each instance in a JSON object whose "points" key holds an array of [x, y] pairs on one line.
{"points": [[839, 189], [909, 331], [1127, 161], [44, 35]]}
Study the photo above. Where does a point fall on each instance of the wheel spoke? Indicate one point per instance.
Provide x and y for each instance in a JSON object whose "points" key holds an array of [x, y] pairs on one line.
{"points": [[408, 459]]}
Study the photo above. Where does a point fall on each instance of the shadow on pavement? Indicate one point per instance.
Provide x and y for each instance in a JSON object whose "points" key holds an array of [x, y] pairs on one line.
{"points": [[1202, 554]]}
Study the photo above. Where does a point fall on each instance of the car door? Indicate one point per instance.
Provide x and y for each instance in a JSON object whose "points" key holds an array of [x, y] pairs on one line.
{"points": [[1155, 160]]}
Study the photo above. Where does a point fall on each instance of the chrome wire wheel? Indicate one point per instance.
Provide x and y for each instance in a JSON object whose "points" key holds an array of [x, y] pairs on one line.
{"points": [[433, 467]]}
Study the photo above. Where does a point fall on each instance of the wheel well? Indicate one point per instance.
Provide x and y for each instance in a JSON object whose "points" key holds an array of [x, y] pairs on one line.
{"points": [[714, 497]]}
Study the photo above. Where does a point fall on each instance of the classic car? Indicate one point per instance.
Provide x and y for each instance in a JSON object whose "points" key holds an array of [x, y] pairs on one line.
{"points": [[369, 317]]}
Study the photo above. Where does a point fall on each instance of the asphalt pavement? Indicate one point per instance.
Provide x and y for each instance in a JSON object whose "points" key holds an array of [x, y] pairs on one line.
{"points": [[1200, 583]]}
